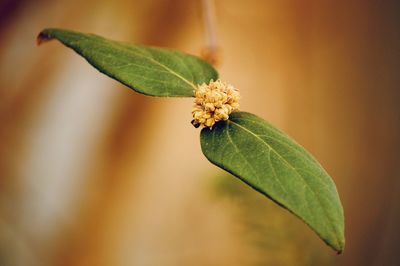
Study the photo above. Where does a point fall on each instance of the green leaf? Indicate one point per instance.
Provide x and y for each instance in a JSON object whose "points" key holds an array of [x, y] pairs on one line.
{"points": [[275, 165], [148, 70]]}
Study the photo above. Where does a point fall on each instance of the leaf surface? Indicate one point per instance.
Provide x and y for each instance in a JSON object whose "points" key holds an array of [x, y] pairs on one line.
{"points": [[148, 70], [275, 165]]}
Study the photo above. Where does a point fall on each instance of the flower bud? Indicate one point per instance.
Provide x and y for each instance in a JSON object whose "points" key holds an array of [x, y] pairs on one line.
{"points": [[214, 102]]}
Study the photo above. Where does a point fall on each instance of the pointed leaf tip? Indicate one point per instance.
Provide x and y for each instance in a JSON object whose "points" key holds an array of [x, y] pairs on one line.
{"points": [[42, 37]]}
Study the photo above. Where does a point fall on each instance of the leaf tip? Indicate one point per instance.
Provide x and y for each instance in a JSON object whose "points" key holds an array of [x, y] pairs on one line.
{"points": [[341, 247], [337, 246], [43, 36]]}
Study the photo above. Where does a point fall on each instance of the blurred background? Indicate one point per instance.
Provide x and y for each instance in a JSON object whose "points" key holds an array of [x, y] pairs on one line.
{"points": [[92, 173]]}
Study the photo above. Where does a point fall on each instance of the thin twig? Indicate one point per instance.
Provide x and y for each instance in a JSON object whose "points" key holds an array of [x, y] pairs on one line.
{"points": [[209, 53]]}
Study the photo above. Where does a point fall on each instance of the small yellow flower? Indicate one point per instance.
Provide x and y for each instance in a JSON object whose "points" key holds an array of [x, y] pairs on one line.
{"points": [[214, 102]]}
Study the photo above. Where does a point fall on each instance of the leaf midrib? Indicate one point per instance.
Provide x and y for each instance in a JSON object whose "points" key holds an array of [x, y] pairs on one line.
{"points": [[295, 170], [150, 58], [269, 158]]}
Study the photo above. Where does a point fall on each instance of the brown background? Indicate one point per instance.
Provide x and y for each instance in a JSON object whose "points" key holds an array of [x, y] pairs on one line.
{"points": [[92, 173]]}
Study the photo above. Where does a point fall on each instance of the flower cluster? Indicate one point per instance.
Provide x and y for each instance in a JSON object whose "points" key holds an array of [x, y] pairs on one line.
{"points": [[214, 102]]}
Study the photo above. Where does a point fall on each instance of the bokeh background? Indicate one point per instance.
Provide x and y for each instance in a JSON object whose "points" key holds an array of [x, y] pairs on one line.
{"points": [[92, 173]]}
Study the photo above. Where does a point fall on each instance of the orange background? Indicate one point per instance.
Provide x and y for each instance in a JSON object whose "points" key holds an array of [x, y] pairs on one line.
{"points": [[92, 173]]}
